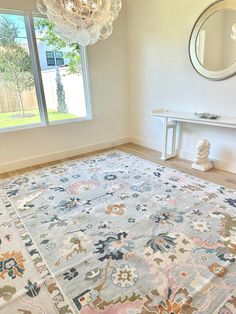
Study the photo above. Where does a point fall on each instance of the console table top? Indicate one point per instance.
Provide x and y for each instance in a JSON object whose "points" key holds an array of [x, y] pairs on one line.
{"points": [[224, 121]]}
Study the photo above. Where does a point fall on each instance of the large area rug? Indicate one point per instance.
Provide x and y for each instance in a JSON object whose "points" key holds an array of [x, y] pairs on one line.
{"points": [[116, 234]]}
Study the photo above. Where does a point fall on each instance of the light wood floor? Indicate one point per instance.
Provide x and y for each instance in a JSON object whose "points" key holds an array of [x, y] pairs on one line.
{"points": [[217, 176]]}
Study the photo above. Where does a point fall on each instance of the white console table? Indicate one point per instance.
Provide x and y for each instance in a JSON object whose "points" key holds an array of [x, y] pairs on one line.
{"points": [[170, 122]]}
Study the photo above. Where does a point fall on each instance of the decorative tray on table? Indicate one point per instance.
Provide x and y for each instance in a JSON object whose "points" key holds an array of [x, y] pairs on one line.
{"points": [[207, 115]]}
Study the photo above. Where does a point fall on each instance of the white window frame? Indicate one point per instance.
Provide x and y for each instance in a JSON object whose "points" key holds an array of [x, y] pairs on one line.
{"points": [[33, 49]]}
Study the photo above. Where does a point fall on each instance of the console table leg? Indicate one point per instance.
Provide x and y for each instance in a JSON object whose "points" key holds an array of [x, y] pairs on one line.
{"points": [[166, 126], [173, 146], [165, 139]]}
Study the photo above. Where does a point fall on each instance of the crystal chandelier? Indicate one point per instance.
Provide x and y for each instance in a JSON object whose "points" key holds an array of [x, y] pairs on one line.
{"points": [[233, 36], [81, 21]]}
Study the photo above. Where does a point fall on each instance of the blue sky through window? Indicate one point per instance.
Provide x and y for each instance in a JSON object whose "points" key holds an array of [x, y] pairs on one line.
{"points": [[20, 23]]}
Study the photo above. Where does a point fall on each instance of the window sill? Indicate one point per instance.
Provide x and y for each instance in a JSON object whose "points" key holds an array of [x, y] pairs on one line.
{"points": [[66, 121], [40, 125]]}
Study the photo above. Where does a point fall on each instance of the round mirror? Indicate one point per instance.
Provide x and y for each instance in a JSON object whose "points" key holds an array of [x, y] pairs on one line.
{"points": [[213, 41]]}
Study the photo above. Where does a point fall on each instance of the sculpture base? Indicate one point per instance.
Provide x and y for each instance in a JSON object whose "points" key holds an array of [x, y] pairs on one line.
{"points": [[204, 167]]}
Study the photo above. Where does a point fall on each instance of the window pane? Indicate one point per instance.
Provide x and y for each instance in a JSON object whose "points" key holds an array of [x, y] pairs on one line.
{"points": [[50, 58], [63, 82], [50, 54], [18, 101], [59, 54], [60, 62], [59, 58]]}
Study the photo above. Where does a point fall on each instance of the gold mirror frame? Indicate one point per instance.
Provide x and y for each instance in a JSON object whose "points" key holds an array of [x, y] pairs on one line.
{"points": [[212, 9]]}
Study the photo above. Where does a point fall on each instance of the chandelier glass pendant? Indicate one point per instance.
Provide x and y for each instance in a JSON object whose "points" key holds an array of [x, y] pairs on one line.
{"points": [[81, 21]]}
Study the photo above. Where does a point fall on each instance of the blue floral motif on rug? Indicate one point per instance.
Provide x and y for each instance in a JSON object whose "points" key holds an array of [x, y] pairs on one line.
{"points": [[116, 234]]}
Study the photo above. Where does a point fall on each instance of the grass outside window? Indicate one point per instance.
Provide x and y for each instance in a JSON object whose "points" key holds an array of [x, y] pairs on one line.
{"points": [[13, 119]]}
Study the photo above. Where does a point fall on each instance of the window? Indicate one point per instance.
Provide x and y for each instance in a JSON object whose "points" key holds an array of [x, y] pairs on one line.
{"points": [[50, 58], [34, 90], [59, 58], [18, 100]]}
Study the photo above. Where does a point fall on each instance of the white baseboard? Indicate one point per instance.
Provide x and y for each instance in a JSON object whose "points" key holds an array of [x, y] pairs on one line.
{"points": [[218, 164], [185, 154], [146, 143], [225, 166], [40, 159]]}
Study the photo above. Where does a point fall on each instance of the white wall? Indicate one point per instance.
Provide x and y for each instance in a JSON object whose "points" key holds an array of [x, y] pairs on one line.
{"points": [[161, 76], [19, 4], [108, 77]]}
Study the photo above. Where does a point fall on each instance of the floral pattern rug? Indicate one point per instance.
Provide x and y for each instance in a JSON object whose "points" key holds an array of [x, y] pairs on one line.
{"points": [[116, 234]]}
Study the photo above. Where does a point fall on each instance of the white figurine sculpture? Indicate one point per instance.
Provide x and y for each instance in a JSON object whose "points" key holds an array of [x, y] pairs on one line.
{"points": [[201, 161]]}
